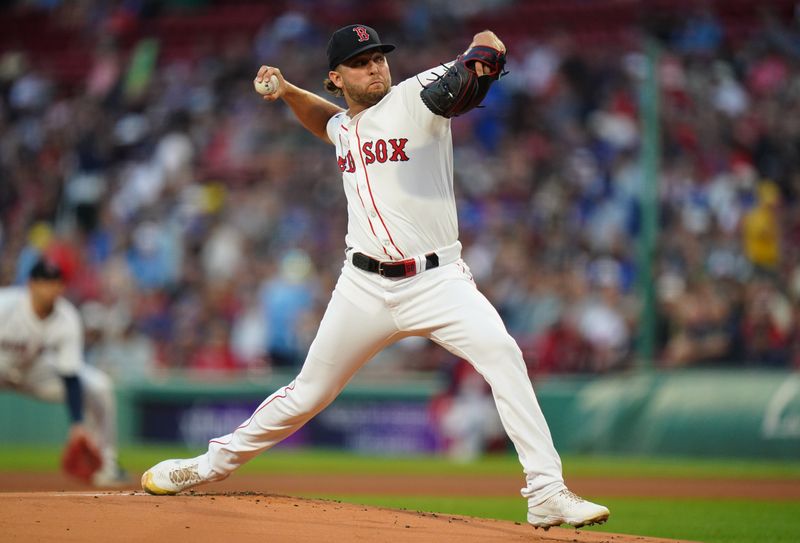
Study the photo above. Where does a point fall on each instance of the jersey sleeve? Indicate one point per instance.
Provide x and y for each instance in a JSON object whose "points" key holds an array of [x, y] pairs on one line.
{"points": [[410, 91], [332, 128], [69, 355]]}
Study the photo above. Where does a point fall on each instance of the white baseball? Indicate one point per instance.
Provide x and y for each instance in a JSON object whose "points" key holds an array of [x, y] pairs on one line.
{"points": [[266, 87]]}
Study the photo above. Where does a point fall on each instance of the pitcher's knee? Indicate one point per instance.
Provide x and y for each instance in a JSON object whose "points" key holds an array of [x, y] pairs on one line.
{"points": [[312, 398]]}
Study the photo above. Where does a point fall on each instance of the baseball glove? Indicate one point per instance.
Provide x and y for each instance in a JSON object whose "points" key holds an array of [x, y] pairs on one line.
{"points": [[461, 89], [81, 457]]}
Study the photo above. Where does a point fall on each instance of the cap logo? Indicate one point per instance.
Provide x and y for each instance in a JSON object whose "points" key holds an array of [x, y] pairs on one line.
{"points": [[362, 33]]}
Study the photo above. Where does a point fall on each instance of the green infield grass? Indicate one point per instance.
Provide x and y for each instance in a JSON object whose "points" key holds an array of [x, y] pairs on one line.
{"points": [[284, 460], [711, 521], [729, 520]]}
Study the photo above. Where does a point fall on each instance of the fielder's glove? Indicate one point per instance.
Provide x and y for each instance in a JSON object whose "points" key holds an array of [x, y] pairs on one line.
{"points": [[81, 457]]}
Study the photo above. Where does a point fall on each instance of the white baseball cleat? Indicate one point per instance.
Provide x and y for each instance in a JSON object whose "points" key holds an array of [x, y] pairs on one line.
{"points": [[566, 508], [172, 476]]}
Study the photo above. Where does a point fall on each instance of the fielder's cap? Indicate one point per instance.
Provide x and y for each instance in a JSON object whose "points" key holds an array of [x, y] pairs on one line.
{"points": [[353, 40], [46, 270]]}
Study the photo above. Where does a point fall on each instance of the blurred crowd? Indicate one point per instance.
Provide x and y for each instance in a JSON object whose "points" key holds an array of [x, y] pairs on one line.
{"points": [[203, 229]]}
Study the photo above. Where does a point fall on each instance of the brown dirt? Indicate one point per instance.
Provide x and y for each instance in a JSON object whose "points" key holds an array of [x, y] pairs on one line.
{"points": [[135, 516], [246, 507], [447, 485]]}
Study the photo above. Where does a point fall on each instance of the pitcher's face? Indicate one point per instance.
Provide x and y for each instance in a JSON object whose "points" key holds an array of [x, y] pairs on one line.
{"points": [[365, 78]]}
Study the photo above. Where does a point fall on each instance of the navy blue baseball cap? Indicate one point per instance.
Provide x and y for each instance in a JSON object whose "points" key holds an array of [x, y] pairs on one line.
{"points": [[46, 270], [353, 40]]}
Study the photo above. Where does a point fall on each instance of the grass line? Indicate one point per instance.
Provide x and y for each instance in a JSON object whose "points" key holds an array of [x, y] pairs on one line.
{"points": [[287, 461]]}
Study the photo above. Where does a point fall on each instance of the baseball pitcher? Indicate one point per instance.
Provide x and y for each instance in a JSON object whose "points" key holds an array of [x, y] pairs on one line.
{"points": [[403, 274], [41, 355]]}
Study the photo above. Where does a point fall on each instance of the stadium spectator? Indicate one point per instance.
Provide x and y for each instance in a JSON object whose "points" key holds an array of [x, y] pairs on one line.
{"points": [[176, 204]]}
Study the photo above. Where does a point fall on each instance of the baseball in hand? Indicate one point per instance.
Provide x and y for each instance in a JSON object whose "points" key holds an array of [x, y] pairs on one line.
{"points": [[266, 87]]}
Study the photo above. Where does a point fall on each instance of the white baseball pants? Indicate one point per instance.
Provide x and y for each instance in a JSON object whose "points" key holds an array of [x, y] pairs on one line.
{"points": [[368, 312], [43, 382]]}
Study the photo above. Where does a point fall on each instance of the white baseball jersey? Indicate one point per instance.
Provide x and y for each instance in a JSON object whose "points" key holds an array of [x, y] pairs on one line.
{"points": [[26, 340], [399, 185]]}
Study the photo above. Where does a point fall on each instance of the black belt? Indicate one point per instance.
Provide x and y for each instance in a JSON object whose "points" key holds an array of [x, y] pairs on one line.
{"points": [[393, 268]]}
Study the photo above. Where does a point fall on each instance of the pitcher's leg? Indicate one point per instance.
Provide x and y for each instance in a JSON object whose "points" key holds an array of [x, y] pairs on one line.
{"points": [[349, 335], [472, 329]]}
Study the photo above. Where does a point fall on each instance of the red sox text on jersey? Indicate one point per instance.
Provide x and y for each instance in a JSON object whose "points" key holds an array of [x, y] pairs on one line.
{"points": [[381, 150]]}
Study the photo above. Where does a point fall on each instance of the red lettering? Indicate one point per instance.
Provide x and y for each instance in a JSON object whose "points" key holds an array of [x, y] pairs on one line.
{"points": [[367, 149], [346, 164], [362, 33], [398, 150], [380, 151]]}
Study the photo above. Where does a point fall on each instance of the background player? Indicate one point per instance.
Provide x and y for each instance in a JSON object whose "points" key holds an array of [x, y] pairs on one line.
{"points": [[41, 355], [403, 274]]}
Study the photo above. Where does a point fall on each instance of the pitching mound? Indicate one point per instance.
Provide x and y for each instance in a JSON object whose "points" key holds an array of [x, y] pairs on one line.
{"points": [[243, 517]]}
